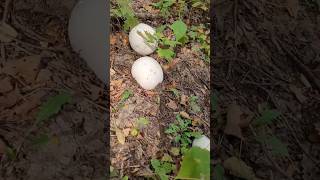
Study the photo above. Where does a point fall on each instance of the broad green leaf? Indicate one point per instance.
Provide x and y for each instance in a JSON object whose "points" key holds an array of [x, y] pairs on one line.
{"points": [[170, 43], [42, 139], [277, 147], [11, 153], [52, 106], [239, 168], [218, 172], [267, 117], [195, 164], [179, 29], [125, 178], [165, 53], [125, 95]]}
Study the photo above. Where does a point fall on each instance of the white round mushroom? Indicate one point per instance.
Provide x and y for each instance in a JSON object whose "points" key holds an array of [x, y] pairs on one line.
{"points": [[88, 35], [147, 72], [202, 142], [139, 43]]}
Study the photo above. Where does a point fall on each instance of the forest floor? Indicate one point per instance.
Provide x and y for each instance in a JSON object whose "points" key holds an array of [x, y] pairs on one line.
{"points": [[186, 77], [36, 64], [266, 82]]}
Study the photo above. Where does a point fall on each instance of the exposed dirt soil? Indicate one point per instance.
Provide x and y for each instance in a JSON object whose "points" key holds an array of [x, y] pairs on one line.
{"points": [[267, 55], [36, 65]]}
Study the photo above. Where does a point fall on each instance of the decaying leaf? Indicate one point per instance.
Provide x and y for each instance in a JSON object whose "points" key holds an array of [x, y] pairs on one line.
{"points": [[25, 68], [172, 105], [185, 115], [293, 7], [7, 33], [184, 100], [298, 93], [239, 168], [5, 85], [233, 121], [120, 136]]}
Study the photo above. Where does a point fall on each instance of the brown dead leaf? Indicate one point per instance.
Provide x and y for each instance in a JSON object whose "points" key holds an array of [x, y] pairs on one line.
{"points": [[172, 105], [184, 100], [293, 7], [171, 65], [7, 33], [233, 121], [185, 115], [126, 131], [120, 136], [25, 68], [44, 76], [239, 168], [298, 93], [5, 85], [9, 99], [113, 39]]}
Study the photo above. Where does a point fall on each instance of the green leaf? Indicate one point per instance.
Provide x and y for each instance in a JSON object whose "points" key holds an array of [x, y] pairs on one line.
{"points": [[130, 22], [267, 117], [11, 153], [277, 147], [142, 122], [218, 172], [175, 151], [165, 53], [125, 95], [175, 92], [166, 158], [170, 43], [43, 139], [179, 29], [125, 178], [161, 168], [195, 164], [193, 104], [52, 106]]}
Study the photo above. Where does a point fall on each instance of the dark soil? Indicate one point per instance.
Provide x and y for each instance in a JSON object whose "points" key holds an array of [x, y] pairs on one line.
{"points": [[267, 54], [34, 66]]}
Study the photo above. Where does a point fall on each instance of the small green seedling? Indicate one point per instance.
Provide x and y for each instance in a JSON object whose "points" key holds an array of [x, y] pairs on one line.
{"points": [[125, 11], [164, 6], [141, 123], [124, 97], [181, 132], [162, 168]]}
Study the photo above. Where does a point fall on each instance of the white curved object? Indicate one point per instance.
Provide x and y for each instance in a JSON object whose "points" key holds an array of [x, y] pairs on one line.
{"points": [[202, 142], [147, 72], [140, 44], [88, 34]]}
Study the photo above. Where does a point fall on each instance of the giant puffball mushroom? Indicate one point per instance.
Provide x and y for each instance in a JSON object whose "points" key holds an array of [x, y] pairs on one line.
{"points": [[202, 142], [138, 39], [88, 34], [147, 72]]}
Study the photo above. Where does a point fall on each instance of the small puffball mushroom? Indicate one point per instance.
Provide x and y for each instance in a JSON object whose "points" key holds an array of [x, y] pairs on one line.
{"points": [[88, 34], [140, 44], [147, 72], [202, 142]]}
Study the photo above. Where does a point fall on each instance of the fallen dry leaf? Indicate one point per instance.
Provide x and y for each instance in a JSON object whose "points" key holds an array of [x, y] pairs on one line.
{"points": [[233, 121], [293, 7], [5, 85], [25, 68], [239, 168], [184, 100], [172, 105], [185, 115], [7, 33], [126, 131], [9, 99], [120, 136], [298, 93]]}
